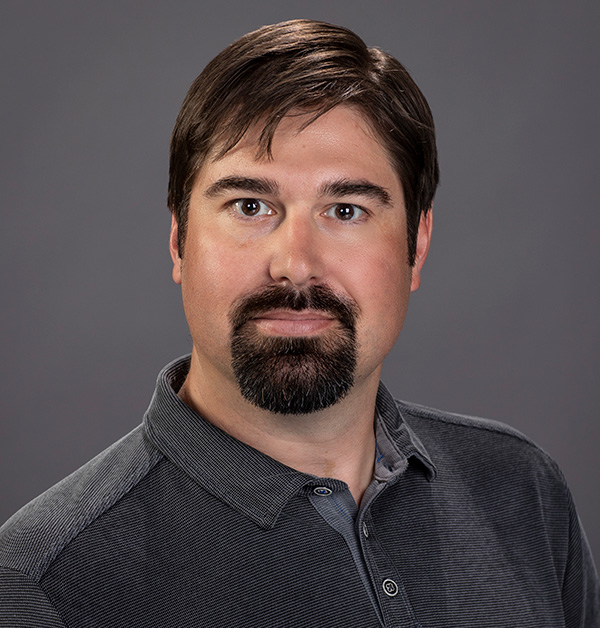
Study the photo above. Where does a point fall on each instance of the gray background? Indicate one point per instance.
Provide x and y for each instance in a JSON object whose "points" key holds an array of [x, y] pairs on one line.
{"points": [[505, 324]]}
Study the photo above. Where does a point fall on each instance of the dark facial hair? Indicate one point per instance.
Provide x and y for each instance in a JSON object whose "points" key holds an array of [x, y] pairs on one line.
{"points": [[294, 374]]}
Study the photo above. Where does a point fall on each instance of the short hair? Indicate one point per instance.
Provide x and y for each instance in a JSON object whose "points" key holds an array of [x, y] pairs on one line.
{"points": [[310, 66]]}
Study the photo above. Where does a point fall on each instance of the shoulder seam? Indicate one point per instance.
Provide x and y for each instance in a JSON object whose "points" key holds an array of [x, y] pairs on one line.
{"points": [[38, 584], [103, 506], [33, 537]]}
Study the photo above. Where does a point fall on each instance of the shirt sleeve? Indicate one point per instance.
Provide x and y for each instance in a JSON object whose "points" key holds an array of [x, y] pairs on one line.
{"points": [[23, 604]]}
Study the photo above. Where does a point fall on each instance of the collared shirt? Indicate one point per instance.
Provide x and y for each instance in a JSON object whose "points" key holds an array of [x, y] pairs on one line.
{"points": [[465, 524]]}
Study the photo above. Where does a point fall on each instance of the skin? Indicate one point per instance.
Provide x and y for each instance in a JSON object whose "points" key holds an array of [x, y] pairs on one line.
{"points": [[294, 232]]}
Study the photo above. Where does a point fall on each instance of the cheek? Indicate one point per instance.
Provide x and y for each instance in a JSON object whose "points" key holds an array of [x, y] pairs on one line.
{"points": [[389, 293], [214, 275], [383, 299], [384, 277]]}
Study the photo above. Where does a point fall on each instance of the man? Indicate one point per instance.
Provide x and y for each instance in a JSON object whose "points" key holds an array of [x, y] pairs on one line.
{"points": [[275, 481]]}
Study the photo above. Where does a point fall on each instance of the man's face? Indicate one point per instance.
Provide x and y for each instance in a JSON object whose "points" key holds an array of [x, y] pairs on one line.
{"points": [[295, 269]]}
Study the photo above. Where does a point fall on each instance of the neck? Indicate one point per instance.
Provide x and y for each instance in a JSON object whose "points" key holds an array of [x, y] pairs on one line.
{"points": [[337, 442]]}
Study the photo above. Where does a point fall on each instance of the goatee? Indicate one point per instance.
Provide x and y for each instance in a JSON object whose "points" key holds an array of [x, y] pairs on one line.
{"points": [[294, 374]]}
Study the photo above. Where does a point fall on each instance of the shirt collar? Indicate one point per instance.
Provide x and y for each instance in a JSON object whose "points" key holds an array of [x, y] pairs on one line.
{"points": [[246, 479], [396, 440]]}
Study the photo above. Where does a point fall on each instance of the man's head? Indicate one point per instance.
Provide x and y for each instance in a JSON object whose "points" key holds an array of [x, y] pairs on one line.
{"points": [[310, 67], [303, 168]]}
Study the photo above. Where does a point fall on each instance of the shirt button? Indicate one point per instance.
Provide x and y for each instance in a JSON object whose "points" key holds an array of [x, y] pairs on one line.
{"points": [[322, 490], [390, 587], [365, 530]]}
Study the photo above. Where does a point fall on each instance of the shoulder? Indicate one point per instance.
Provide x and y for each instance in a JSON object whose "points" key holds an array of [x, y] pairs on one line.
{"points": [[494, 483], [485, 448], [32, 538], [434, 421], [492, 471]]}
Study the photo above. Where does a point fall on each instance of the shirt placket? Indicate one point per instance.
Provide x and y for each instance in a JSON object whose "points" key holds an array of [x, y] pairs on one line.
{"points": [[381, 578], [396, 609]]}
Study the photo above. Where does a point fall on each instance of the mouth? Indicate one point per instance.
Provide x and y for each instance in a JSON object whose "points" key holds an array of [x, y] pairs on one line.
{"points": [[292, 323], [280, 311]]}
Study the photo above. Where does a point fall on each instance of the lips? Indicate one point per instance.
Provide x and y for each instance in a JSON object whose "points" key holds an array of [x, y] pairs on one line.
{"points": [[290, 315], [291, 323]]}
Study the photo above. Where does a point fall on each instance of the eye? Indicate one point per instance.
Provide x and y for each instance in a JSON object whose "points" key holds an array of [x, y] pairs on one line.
{"points": [[345, 211], [251, 207]]}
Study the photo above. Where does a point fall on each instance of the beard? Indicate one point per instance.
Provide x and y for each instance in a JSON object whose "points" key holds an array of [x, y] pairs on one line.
{"points": [[294, 374]]}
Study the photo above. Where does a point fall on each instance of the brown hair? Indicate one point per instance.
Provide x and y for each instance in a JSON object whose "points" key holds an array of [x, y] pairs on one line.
{"points": [[309, 66]]}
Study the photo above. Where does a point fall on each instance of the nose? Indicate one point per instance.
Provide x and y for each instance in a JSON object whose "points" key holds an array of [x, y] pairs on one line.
{"points": [[296, 256]]}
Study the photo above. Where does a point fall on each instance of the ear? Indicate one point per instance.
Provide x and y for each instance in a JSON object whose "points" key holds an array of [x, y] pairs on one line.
{"points": [[423, 241], [174, 250]]}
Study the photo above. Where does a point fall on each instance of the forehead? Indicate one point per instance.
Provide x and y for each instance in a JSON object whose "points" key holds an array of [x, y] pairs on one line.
{"points": [[341, 141]]}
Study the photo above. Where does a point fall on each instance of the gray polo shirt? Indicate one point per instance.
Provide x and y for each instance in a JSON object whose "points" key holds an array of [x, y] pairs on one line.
{"points": [[465, 524]]}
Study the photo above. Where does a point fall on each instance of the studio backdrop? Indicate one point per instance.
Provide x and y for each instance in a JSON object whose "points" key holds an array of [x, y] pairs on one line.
{"points": [[505, 324]]}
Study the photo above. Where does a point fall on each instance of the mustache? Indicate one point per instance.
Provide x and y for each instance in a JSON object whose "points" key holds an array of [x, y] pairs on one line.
{"points": [[314, 297]]}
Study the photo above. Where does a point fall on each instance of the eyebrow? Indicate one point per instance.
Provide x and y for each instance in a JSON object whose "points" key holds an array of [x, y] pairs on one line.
{"points": [[245, 184], [362, 187], [259, 185]]}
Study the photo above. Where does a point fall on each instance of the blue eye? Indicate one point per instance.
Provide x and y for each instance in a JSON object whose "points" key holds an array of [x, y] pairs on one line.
{"points": [[251, 207], [345, 211]]}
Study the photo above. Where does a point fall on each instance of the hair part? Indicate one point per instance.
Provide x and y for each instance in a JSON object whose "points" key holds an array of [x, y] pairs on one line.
{"points": [[310, 67]]}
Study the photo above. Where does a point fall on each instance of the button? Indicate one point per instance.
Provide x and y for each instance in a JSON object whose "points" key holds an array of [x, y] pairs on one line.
{"points": [[365, 529], [322, 490], [390, 587]]}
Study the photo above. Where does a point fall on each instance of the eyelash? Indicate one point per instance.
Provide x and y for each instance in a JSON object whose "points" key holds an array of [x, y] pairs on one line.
{"points": [[237, 203]]}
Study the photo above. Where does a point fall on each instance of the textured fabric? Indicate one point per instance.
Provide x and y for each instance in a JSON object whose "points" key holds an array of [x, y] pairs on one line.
{"points": [[466, 524]]}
